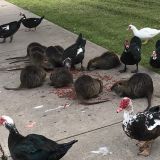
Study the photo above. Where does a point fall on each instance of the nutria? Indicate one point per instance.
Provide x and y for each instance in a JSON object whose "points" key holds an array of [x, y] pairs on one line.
{"points": [[87, 87], [36, 58], [32, 47], [31, 76], [55, 55], [137, 86], [107, 60], [61, 77]]}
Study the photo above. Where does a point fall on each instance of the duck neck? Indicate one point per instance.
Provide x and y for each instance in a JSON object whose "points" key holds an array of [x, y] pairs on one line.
{"points": [[135, 30], [128, 114]]}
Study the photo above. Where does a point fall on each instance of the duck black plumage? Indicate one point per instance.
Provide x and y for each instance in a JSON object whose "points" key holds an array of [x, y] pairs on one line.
{"points": [[155, 57], [31, 22], [131, 54], [76, 52], [9, 29], [143, 126], [33, 146]]}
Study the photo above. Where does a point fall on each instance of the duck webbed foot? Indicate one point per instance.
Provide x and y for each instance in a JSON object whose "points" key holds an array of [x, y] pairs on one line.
{"points": [[136, 70], [123, 70], [82, 68], [4, 40], [145, 148], [28, 30], [11, 38]]}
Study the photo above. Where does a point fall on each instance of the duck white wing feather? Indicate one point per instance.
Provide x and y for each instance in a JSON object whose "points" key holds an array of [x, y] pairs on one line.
{"points": [[147, 33], [144, 33]]}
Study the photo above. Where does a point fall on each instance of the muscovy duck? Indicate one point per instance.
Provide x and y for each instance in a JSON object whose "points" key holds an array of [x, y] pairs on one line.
{"points": [[131, 54], [155, 57], [76, 52], [144, 33], [31, 22], [33, 146], [143, 126], [9, 29]]}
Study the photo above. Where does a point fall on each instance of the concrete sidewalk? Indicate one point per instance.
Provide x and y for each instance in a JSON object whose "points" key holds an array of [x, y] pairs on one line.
{"points": [[94, 126]]}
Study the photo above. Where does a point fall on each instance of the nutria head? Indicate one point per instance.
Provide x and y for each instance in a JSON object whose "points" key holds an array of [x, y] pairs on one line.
{"points": [[101, 85], [91, 65], [119, 87]]}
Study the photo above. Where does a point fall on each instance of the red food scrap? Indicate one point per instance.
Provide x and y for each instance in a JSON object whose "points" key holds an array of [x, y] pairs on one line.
{"points": [[65, 92]]}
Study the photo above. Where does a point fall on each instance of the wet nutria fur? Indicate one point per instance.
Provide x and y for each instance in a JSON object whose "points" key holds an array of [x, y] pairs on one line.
{"points": [[31, 77], [61, 77], [137, 86], [55, 55], [106, 61], [87, 87]]}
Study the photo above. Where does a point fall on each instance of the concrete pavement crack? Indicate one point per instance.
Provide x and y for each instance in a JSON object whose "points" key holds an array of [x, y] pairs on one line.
{"points": [[89, 131]]}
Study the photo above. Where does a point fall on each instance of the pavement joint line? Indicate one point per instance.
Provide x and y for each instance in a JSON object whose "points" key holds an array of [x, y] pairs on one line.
{"points": [[89, 131]]}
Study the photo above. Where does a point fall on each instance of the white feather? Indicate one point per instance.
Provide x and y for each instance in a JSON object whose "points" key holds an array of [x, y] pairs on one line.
{"points": [[80, 50], [8, 119]]}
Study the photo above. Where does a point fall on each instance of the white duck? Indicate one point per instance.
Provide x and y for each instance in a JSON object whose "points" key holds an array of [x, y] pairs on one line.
{"points": [[144, 33], [143, 126]]}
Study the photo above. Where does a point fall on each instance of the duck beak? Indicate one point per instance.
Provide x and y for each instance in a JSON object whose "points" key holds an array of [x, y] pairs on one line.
{"points": [[119, 109]]}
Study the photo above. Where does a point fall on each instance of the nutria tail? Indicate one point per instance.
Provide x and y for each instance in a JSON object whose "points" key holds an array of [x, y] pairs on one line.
{"points": [[23, 57], [20, 60], [15, 69], [14, 89], [84, 102]]}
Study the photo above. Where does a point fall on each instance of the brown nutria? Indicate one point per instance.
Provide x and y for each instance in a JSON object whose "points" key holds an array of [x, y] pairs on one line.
{"points": [[137, 86], [87, 87], [31, 76], [61, 77], [36, 58], [55, 55], [32, 47], [106, 61]]}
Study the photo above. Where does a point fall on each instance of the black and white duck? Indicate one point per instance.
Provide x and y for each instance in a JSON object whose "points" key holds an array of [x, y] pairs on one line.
{"points": [[76, 52], [9, 29], [155, 57], [32, 146], [131, 54], [143, 126], [31, 22]]}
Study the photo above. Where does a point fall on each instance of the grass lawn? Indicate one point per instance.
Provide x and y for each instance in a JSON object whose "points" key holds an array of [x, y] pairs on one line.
{"points": [[103, 22]]}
